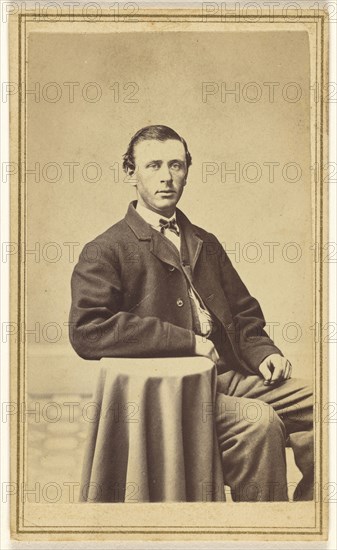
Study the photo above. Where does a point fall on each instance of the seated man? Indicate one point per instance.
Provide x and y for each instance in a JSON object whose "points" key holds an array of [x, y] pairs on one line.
{"points": [[154, 284]]}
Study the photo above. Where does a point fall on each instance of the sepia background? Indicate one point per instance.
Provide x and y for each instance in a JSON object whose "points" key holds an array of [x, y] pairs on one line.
{"points": [[88, 94]]}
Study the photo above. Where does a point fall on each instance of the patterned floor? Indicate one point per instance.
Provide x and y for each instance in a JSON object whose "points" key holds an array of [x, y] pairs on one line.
{"points": [[56, 439]]}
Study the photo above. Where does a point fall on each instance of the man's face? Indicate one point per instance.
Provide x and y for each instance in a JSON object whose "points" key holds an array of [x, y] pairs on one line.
{"points": [[160, 174]]}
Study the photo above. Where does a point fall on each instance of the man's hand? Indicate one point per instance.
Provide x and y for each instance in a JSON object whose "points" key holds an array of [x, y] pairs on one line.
{"points": [[206, 348], [275, 368]]}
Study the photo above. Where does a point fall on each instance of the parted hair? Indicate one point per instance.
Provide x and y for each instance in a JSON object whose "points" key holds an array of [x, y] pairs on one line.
{"points": [[155, 132]]}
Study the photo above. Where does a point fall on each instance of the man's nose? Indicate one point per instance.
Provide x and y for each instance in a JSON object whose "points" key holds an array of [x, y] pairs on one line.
{"points": [[165, 174]]}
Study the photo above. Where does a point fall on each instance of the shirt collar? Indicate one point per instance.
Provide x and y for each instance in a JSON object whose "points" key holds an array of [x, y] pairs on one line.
{"points": [[152, 217]]}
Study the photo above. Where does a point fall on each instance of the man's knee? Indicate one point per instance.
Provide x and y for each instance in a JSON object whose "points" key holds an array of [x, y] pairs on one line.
{"points": [[267, 424], [248, 418], [298, 414]]}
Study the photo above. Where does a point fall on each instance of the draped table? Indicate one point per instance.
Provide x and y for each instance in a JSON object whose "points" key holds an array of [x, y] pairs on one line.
{"points": [[153, 437]]}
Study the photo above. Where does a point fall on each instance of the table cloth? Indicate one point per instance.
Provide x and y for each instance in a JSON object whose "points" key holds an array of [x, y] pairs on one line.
{"points": [[151, 435]]}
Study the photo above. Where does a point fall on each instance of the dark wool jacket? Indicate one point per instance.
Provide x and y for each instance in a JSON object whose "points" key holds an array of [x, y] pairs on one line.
{"points": [[130, 297]]}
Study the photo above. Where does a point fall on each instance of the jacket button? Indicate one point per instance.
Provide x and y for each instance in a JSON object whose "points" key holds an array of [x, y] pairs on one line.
{"points": [[172, 268], [180, 302]]}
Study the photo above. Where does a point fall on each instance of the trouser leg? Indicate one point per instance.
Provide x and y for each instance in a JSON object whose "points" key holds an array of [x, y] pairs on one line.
{"points": [[302, 445], [252, 447], [292, 403]]}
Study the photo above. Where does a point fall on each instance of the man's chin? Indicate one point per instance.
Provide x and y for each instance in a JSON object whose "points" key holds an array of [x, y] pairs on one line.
{"points": [[164, 202], [165, 207]]}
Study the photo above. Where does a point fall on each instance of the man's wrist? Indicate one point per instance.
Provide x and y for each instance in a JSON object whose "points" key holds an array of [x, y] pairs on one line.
{"points": [[200, 347]]}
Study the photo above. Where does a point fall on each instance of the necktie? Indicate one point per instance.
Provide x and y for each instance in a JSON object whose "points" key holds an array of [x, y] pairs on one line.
{"points": [[169, 224]]}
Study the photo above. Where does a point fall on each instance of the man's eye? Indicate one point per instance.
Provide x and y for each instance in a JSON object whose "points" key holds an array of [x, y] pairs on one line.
{"points": [[153, 165], [176, 166]]}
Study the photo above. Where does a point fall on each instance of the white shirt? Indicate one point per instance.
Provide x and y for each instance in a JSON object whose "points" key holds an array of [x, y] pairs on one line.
{"points": [[152, 218]]}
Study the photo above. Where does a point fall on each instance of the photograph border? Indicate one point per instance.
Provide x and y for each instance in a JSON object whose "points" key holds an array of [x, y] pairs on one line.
{"points": [[18, 67]]}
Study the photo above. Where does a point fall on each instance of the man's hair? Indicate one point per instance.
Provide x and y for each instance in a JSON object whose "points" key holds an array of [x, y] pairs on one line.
{"points": [[156, 132]]}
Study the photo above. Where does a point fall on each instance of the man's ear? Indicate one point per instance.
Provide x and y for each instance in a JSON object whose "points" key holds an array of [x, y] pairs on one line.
{"points": [[131, 178]]}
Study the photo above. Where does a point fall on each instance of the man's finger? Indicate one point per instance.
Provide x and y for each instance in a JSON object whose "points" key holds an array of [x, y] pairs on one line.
{"points": [[277, 374], [287, 374], [265, 371]]}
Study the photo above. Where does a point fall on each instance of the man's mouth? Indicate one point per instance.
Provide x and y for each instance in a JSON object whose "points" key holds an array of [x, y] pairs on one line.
{"points": [[166, 192]]}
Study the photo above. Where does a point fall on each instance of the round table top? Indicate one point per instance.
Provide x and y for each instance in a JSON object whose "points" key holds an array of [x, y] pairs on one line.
{"points": [[162, 367]]}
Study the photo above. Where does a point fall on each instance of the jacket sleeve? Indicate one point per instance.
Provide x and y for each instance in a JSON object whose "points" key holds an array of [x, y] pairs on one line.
{"points": [[98, 326], [253, 342]]}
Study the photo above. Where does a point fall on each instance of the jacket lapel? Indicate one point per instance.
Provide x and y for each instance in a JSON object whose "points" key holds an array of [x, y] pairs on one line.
{"points": [[192, 246], [163, 249], [160, 247], [141, 229]]}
